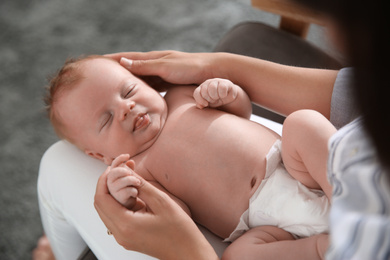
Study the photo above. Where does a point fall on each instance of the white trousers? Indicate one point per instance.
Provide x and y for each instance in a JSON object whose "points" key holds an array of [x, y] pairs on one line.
{"points": [[66, 188]]}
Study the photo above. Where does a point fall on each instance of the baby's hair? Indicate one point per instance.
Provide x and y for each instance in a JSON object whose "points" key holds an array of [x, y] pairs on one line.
{"points": [[69, 75]]}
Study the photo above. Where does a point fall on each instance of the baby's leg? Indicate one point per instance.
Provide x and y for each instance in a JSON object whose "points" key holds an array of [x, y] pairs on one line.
{"points": [[269, 242], [305, 148]]}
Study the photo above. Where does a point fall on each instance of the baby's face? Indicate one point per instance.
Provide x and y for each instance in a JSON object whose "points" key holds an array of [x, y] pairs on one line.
{"points": [[111, 112]]}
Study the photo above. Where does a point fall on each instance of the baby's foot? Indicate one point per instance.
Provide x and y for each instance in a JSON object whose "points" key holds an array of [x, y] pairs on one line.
{"points": [[43, 250]]}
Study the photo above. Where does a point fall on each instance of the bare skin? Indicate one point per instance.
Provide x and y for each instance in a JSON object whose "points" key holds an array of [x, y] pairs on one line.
{"points": [[43, 250], [283, 89], [232, 171], [237, 171], [215, 192], [305, 148]]}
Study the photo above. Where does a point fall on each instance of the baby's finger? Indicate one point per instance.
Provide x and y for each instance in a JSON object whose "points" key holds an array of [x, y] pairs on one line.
{"points": [[126, 196], [119, 160], [204, 93], [130, 164], [212, 91], [200, 101], [126, 193], [128, 181], [123, 188], [119, 172], [122, 176], [223, 89]]}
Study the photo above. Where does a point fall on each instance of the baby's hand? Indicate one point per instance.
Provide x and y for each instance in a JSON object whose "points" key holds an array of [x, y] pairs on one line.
{"points": [[121, 181], [215, 93]]}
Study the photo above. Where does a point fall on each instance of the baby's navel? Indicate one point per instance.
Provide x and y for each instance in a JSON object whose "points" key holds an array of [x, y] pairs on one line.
{"points": [[253, 181]]}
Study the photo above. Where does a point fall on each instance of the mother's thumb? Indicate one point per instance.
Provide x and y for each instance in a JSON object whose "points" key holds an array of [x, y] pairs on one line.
{"points": [[127, 63], [139, 67], [155, 199]]}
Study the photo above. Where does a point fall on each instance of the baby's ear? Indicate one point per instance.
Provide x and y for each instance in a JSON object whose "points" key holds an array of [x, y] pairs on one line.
{"points": [[99, 156]]}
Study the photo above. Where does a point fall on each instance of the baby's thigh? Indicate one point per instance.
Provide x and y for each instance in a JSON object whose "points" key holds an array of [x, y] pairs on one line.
{"points": [[305, 146], [305, 128]]}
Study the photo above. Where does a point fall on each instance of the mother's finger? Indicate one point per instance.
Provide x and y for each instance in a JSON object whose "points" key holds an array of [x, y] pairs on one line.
{"points": [[151, 55], [157, 201], [107, 207]]}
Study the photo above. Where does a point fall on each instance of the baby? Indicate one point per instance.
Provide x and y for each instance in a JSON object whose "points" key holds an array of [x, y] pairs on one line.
{"points": [[223, 169]]}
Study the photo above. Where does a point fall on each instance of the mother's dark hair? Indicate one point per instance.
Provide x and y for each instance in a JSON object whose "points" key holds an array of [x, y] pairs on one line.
{"points": [[365, 31]]}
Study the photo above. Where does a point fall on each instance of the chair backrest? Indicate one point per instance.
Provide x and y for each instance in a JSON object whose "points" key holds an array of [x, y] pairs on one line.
{"points": [[295, 18]]}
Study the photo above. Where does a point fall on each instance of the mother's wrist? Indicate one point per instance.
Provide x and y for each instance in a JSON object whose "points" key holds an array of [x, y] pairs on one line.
{"points": [[217, 65]]}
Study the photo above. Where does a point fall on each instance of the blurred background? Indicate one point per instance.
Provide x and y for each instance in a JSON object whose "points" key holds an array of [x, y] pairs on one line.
{"points": [[37, 36]]}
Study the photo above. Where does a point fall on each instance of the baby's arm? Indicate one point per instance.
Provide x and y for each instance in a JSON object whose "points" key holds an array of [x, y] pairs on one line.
{"points": [[224, 95], [122, 184]]}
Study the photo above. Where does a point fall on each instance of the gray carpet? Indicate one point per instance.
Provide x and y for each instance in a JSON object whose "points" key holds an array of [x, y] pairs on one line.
{"points": [[35, 39]]}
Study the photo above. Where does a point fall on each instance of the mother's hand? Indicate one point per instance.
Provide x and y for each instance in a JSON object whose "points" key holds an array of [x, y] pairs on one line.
{"points": [[172, 66], [163, 230]]}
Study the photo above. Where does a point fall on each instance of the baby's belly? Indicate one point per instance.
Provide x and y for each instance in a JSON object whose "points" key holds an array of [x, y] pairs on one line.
{"points": [[219, 205], [217, 193]]}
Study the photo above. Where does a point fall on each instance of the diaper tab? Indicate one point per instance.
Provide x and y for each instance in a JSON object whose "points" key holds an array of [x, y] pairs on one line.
{"points": [[273, 158]]}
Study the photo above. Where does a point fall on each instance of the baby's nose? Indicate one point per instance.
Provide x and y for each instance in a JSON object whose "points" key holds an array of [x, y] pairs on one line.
{"points": [[127, 108]]}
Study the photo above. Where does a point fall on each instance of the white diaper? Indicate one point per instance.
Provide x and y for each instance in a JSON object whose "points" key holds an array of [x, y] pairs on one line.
{"points": [[284, 202]]}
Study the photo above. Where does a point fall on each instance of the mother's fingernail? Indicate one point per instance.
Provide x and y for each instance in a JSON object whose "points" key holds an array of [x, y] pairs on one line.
{"points": [[126, 62]]}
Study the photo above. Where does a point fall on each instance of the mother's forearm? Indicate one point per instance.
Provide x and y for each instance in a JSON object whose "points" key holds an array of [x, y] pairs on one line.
{"points": [[283, 89]]}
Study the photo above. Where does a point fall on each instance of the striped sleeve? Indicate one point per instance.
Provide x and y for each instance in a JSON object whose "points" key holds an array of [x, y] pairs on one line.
{"points": [[360, 215]]}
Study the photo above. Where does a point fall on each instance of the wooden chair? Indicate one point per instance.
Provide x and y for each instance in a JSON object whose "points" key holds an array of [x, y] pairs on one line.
{"points": [[295, 19]]}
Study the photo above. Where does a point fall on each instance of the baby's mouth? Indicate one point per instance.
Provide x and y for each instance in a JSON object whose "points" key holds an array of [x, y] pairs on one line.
{"points": [[141, 121]]}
